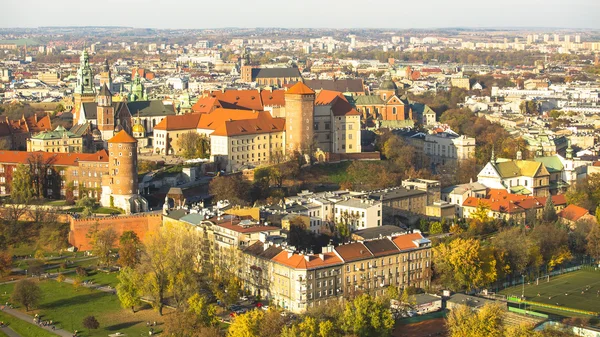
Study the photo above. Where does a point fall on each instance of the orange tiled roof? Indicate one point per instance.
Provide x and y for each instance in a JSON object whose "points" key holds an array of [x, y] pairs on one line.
{"points": [[122, 137], [406, 241], [179, 122], [326, 97], [499, 200], [205, 105], [300, 89], [573, 212], [298, 261], [240, 99], [261, 123], [337, 100], [58, 159]]}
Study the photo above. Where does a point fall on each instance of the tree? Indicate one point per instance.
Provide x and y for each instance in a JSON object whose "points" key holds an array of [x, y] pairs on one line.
{"points": [[168, 265], [128, 288], [486, 322], [549, 213], [90, 322], [5, 263], [593, 242], [365, 317], [129, 244], [465, 264], [194, 145], [273, 323], [204, 311], [515, 245], [436, 228], [22, 190], [27, 293], [88, 205], [102, 241], [247, 325], [233, 188], [43, 175]]}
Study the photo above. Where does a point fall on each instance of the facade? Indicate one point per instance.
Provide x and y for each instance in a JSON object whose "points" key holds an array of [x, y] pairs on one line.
{"points": [[120, 185], [448, 148], [77, 173], [358, 213], [516, 176], [273, 77], [336, 124], [385, 104], [58, 140], [401, 200]]}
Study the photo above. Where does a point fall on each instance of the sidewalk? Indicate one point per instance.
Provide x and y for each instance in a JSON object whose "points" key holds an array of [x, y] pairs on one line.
{"points": [[29, 319], [9, 332]]}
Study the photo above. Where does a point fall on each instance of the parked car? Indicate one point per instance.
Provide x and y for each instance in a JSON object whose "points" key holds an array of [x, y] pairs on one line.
{"points": [[264, 307]]}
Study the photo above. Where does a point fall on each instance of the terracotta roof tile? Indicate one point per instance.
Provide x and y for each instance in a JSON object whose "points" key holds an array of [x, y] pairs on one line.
{"points": [[60, 159], [405, 241], [179, 122], [300, 89], [573, 212], [298, 261], [122, 137]]}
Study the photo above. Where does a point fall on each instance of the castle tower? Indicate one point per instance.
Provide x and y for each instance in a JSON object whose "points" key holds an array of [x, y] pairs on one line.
{"points": [[84, 89], [105, 76], [105, 113], [120, 186], [299, 116]]}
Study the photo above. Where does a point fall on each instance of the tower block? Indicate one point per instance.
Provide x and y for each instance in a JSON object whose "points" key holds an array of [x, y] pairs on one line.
{"points": [[299, 118], [120, 186]]}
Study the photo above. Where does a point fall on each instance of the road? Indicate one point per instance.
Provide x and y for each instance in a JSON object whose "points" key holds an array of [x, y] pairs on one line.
{"points": [[9, 332]]}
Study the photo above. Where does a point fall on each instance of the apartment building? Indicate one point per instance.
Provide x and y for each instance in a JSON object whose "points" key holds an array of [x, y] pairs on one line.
{"points": [[358, 213], [58, 140]]}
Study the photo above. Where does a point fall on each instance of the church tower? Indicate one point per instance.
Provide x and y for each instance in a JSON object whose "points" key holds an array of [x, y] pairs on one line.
{"points": [[105, 113], [120, 185], [105, 76], [136, 91], [299, 117], [84, 89]]}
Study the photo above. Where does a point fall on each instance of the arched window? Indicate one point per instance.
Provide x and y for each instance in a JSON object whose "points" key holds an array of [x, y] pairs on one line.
{"points": [[394, 110]]}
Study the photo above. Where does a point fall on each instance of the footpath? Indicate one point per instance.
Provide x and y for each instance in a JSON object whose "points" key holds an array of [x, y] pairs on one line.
{"points": [[29, 320]]}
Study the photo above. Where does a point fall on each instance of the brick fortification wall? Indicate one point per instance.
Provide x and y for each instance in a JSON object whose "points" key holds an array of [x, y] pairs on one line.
{"points": [[142, 224]]}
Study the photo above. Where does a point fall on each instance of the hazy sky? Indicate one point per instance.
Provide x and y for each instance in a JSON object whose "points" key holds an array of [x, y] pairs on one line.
{"points": [[301, 13]]}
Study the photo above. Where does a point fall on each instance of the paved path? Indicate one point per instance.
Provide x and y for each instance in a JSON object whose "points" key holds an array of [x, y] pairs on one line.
{"points": [[9, 332], [29, 319]]}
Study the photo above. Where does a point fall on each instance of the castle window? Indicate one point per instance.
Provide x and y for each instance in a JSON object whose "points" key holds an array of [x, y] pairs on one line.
{"points": [[120, 153], [130, 154]]}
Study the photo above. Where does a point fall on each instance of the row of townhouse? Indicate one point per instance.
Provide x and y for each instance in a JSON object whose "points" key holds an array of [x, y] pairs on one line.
{"points": [[258, 256], [296, 281]]}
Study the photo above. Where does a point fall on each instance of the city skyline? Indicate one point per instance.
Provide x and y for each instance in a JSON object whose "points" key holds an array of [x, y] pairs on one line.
{"points": [[185, 14]]}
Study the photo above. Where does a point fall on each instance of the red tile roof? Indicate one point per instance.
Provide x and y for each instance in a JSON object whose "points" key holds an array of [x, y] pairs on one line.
{"points": [[122, 137], [298, 261], [501, 201], [179, 122], [406, 241], [573, 212], [240, 99], [300, 89], [337, 100], [261, 123], [59, 159]]}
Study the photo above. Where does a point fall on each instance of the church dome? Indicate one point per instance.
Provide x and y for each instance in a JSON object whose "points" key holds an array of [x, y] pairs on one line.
{"points": [[387, 84], [138, 128]]}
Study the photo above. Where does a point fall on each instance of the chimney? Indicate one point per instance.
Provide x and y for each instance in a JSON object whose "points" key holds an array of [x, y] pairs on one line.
{"points": [[290, 254], [307, 258], [322, 256]]}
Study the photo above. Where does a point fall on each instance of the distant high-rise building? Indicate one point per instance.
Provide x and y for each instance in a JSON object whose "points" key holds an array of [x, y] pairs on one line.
{"points": [[516, 40], [556, 38], [577, 38], [536, 38], [546, 38], [567, 38], [529, 39], [352, 41]]}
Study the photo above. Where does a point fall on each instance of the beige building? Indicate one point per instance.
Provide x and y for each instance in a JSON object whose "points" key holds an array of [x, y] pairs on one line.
{"points": [[58, 140], [460, 82]]}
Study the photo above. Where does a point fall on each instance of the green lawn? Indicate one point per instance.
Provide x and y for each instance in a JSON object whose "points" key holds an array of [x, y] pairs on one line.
{"points": [[2, 334], [102, 278], [566, 290], [55, 203], [67, 306], [24, 328]]}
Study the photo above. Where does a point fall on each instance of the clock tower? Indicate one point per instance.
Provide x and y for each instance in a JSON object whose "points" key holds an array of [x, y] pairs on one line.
{"points": [[84, 89]]}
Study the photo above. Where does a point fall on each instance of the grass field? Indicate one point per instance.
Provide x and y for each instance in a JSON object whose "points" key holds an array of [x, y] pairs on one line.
{"points": [[564, 290], [68, 306]]}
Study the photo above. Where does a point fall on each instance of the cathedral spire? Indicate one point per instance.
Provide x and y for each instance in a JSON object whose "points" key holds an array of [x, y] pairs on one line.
{"points": [[569, 150]]}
